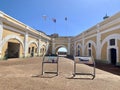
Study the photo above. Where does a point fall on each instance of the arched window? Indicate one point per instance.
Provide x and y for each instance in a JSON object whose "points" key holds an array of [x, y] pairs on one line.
{"points": [[89, 49], [112, 42], [89, 45]]}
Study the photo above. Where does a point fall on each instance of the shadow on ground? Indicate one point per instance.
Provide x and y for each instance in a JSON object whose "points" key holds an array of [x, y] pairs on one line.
{"points": [[105, 67], [109, 68]]}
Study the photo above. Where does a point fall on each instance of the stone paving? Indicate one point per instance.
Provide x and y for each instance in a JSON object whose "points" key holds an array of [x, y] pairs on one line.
{"points": [[17, 74]]}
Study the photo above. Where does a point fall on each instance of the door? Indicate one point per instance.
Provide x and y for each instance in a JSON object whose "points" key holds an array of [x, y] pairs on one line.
{"points": [[113, 56], [32, 52]]}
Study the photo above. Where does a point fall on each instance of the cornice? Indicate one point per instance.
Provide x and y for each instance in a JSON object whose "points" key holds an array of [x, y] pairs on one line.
{"points": [[24, 27]]}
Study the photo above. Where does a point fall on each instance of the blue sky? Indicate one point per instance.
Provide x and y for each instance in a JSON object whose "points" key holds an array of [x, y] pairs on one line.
{"points": [[81, 14], [62, 49]]}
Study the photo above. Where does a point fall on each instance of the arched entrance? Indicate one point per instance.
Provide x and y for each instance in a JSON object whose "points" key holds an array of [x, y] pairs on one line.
{"points": [[62, 51], [113, 56], [12, 47], [43, 50], [32, 49]]}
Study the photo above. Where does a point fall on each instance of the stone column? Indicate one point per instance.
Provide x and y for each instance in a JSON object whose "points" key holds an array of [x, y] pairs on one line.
{"points": [[75, 48], [53, 46], [1, 32], [47, 47], [69, 46], [39, 46], [98, 47], [83, 45], [26, 44]]}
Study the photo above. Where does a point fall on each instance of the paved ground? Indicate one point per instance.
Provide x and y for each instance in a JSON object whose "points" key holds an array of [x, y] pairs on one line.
{"points": [[16, 75]]}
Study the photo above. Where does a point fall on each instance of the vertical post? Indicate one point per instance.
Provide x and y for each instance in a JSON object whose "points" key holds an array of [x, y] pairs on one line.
{"points": [[98, 48], [69, 46], [74, 68], [26, 43], [53, 46], [1, 32], [75, 48], [83, 44], [39, 41], [47, 47], [57, 64]]}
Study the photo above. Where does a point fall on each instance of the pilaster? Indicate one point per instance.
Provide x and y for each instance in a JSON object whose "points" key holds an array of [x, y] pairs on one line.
{"points": [[75, 48], [39, 46], [98, 48], [47, 47], [83, 44], [69, 46], [26, 44], [1, 32], [53, 46]]}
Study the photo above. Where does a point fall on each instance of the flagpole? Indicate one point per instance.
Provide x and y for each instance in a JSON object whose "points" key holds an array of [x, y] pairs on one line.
{"points": [[66, 26], [44, 20], [54, 20]]}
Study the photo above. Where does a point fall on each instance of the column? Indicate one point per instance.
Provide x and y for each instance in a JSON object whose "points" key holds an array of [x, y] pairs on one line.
{"points": [[75, 48], [39, 46], [26, 44], [69, 46], [53, 46], [98, 48], [83, 45], [1, 32], [47, 47]]}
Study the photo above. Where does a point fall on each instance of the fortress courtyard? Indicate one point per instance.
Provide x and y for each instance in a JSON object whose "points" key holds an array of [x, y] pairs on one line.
{"points": [[17, 75]]}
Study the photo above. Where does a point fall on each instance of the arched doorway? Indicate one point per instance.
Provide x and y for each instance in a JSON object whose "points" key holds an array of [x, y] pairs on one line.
{"points": [[62, 51], [32, 50], [13, 48], [43, 50], [113, 56]]}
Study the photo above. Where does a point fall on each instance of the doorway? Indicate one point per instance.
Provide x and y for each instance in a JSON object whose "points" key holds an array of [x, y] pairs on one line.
{"points": [[32, 52], [113, 56], [13, 50], [62, 51]]}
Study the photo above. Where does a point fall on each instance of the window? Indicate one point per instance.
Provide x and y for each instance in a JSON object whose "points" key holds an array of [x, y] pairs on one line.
{"points": [[112, 42], [89, 45], [29, 50]]}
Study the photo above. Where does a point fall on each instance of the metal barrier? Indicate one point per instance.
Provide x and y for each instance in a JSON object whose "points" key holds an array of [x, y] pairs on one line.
{"points": [[50, 60], [84, 60]]}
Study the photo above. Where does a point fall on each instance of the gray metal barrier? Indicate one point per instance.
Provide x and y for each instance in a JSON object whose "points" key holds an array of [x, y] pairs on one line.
{"points": [[84, 60], [50, 60]]}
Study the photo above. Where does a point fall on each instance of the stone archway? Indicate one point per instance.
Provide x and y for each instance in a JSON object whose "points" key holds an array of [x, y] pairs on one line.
{"points": [[90, 48], [32, 48], [64, 50], [11, 37], [79, 50], [106, 47], [43, 50], [13, 47]]}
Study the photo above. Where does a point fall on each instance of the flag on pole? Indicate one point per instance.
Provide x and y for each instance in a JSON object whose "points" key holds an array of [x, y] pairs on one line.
{"points": [[54, 20], [65, 18]]}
